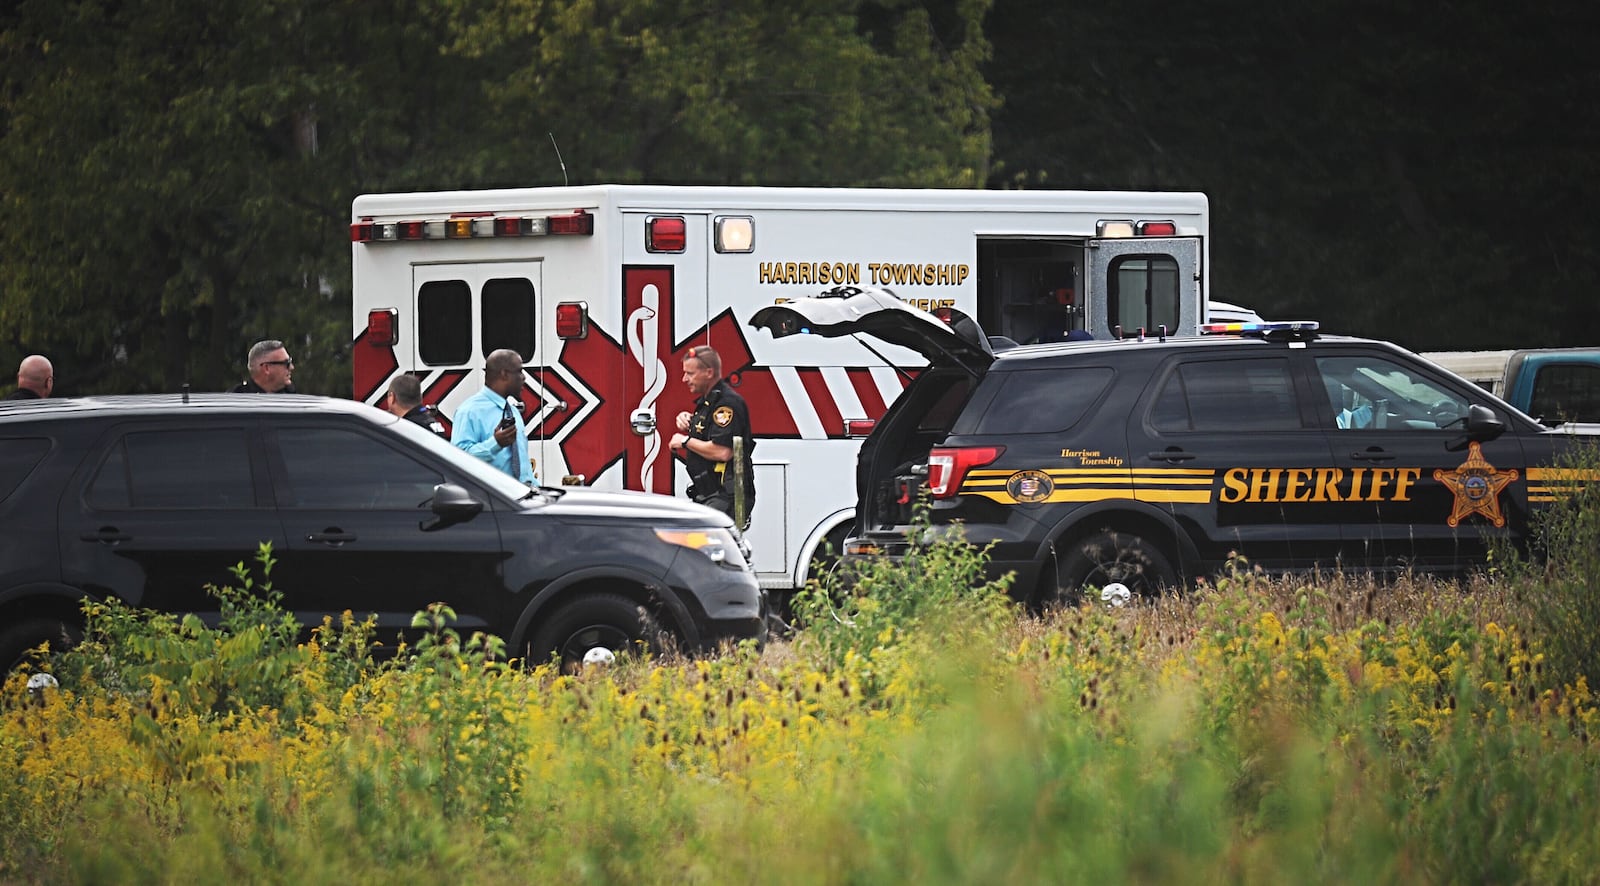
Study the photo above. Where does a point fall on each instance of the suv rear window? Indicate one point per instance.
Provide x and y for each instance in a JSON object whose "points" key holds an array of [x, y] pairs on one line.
{"points": [[1042, 401], [175, 469], [1228, 395], [18, 457]]}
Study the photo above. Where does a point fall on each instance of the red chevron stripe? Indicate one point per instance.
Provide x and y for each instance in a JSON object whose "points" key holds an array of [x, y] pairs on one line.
{"points": [[822, 401], [867, 390]]}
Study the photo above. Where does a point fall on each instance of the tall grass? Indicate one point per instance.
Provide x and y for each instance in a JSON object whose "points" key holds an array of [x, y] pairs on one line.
{"points": [[1328, 730]]}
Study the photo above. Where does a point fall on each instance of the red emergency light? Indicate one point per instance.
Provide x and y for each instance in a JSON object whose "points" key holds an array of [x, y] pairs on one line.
{"points": [[572, 320], [579, 222], [859, 427], [666, 233], [1156, 229], [383, 328]]}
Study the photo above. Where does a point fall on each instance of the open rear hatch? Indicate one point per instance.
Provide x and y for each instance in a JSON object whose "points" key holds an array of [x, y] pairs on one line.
{"points": [[893, 464]]}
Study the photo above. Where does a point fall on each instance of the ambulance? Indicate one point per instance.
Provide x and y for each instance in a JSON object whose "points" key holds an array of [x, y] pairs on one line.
{"points": [[604, 289]]}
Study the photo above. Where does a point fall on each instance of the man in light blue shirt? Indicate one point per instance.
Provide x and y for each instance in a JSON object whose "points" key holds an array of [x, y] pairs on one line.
{"points": [[489, 425]]}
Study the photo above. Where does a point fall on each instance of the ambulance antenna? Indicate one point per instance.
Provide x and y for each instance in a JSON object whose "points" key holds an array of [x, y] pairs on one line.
{"points": [[558, 158]]}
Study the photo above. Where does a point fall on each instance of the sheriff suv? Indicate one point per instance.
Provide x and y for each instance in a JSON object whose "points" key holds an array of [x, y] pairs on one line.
{"points": [[149, 498], [1150, 462]]}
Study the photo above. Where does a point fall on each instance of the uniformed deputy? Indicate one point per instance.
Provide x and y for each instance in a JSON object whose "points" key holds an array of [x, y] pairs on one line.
{"points": [[405, 400], [715, 440]]}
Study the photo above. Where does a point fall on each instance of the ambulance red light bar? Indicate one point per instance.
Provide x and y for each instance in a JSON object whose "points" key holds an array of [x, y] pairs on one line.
{"points": [[472, 225], [579, 222], [1156, 229], [1121, 228]]}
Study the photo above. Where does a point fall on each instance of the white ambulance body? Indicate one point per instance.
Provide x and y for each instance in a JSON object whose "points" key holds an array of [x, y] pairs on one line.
{"points": [[603, 289]]}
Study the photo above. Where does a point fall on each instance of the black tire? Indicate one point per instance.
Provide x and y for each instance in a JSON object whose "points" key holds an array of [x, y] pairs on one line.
{"points": [[595, 620], [16, 640], [1094, 562]]}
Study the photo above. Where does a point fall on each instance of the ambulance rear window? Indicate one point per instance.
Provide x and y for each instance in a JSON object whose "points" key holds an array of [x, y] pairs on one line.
{"points": [[508, 316], [444, 322], [1143, 293]]}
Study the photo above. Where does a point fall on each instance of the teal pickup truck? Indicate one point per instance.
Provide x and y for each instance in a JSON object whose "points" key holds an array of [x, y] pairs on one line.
{"points": [[1554, 385]]}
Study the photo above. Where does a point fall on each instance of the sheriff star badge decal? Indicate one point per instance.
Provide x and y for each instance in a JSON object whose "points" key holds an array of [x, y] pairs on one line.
{"points": [[1477, 487]]}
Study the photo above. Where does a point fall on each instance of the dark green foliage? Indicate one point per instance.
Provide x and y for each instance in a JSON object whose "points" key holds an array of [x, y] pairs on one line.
{"points": [[1404, 171], [1565, 598], [253, 658]]}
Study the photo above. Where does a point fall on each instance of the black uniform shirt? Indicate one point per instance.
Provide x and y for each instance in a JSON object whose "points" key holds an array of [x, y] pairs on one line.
{"points": [[719, 417], [249, 386], [424, 415]]}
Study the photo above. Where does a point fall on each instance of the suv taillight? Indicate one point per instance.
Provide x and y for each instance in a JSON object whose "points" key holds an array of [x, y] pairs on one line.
{"points": [[948, 466]]}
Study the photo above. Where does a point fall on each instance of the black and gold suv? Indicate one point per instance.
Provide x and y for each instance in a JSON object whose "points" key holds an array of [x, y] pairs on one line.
{"points": [[147, 499], [1150, 462]]}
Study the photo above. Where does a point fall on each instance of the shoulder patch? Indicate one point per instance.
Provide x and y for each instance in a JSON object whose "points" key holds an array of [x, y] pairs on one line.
{"points": [[723, 416]]}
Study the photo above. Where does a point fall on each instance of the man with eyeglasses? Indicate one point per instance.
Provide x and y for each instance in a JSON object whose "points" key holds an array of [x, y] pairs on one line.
{"points": [[489, 425], [271, 370], [715, 440]]}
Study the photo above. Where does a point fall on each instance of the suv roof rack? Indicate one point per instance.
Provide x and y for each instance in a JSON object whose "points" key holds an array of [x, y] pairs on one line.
{"points": [[1279, 330]]}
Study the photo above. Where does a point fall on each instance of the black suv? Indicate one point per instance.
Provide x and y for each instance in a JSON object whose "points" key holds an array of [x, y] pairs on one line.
{"points": [[149, 498], [1150, 462]]}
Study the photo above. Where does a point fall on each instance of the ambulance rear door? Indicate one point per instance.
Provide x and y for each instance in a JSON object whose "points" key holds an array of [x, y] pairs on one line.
{"points": [[665, 312], [1144, 283], [465, 311]]}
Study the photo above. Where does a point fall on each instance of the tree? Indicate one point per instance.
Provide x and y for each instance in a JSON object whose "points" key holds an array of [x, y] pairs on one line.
{"points": [[177, 177], [820, 92]]}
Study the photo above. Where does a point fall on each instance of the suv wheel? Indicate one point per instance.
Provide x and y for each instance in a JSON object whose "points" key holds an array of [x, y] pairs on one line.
{"points": [[595, 621], [17, 639], [1106, 557]]}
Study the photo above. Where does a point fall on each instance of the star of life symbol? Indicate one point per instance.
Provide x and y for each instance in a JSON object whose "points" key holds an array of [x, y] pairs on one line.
{"points": [[1477, 486]]}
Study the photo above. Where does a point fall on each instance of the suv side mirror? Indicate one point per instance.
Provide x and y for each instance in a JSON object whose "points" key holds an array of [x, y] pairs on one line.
{"points": [[1482, 425], [451, 505]]}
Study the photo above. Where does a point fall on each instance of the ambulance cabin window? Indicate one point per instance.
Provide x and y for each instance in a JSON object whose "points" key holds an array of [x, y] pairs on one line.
{"points": [[444, 323], [508, 316], [1142, 293]]}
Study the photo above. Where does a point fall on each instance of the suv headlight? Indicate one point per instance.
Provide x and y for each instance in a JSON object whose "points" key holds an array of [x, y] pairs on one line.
{"points": [[718, 545]]}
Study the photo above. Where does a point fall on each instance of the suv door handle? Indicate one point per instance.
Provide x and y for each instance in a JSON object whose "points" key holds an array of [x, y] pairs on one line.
{"points": [[1373, 454], [333, 535], [107, 535], [1171, 456]]}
